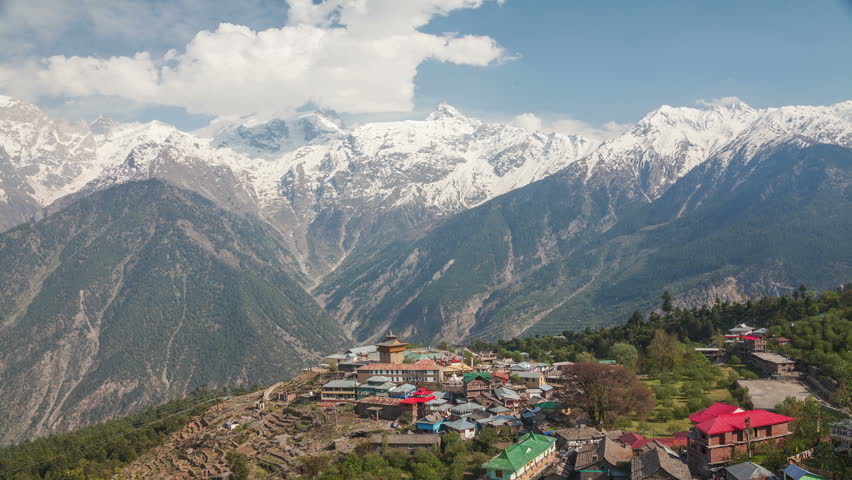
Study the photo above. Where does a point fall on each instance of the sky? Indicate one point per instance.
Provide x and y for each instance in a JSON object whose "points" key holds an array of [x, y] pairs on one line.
{"points": [[569, 66]]}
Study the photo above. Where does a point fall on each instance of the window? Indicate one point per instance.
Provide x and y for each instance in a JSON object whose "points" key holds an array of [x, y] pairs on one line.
{"points": [[498, 474]]}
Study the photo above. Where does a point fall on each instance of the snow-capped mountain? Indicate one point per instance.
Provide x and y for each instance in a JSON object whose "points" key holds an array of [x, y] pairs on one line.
{"points": [[330, 189]]}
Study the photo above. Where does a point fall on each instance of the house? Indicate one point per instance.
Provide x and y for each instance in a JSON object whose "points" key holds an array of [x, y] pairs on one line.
{"points": [[760, 332], [546, 391], [526, 459], [739, 330], [508, 397], [231, 425], [363, 354], [436, 406], [465, 409], [746, 471], [749, 345], [841, 434], [604, 460], [421, 371], [773, 364], [499, 378], [532, 379], [714, 440], [570, 438], [378, 408], [476, 384], [782, 341], [339, 391], [659, 463], [464, 428], [792, 472], [524, 367], [712, 353], [336, 358], [417, 403], [430, 423], [409, 442], [376, 386], [634, 440], [402, 391], [485, 357]]}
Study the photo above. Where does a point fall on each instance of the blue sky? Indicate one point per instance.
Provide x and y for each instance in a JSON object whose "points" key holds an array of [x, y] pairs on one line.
{"points": [[591, 62]]}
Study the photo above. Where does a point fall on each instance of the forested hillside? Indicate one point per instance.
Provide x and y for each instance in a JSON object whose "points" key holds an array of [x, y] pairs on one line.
{"points": [[819, 326], [138, 294]]}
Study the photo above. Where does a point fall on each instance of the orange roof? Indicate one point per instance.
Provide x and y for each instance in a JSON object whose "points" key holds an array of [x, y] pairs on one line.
{"points": [[418, 365]]}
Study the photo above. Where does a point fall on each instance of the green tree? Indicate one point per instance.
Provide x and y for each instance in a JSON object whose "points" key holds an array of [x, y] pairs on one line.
{"points": [[667, 302], [625, 354]]}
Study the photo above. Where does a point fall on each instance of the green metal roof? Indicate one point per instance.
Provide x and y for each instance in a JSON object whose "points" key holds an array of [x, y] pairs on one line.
{"points": [[468, 377], [516, 456]]}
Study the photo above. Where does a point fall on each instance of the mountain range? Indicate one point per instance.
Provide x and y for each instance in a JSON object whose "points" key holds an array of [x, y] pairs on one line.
{"points": [[141, 261]]}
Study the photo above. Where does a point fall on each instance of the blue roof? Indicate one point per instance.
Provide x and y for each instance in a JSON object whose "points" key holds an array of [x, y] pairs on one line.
{"points": [[545, 388]]}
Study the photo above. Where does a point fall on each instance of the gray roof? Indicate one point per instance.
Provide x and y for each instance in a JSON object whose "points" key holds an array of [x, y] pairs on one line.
{"points": [[748, 470], [503, 392], [341, 384], [651, 463], [529, 375], [459, 425], [580, 433], [378, 379], [606, 451], [467, 407], [362, 350], [498, 409], [405, 387], [796, 473]]}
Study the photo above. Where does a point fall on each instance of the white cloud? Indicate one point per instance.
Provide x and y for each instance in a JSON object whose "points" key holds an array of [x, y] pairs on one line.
{"points": [[720, 102], [569, 126], [349, 55], [528, 121]]}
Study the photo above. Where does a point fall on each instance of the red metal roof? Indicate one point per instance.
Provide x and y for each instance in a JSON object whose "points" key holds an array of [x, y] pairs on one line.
{"points": [[752, 337], [411, 400], [713, 411], [422, 392], [632, 439], [737, 421]]}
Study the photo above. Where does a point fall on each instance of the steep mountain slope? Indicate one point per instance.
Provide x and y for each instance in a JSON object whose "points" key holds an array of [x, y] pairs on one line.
{"points": [[568, 252], [137, 294], [331, 190]]}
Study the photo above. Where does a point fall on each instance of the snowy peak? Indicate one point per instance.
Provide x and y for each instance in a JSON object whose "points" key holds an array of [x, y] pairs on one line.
{"points": [[272, 138], [445, 111]]}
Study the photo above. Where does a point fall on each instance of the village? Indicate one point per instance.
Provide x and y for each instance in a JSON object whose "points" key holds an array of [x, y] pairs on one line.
{"points": [[391, 396]]}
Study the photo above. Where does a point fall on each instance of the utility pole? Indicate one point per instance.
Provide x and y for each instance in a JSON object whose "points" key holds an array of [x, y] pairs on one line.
{"points": [[748, 435]]}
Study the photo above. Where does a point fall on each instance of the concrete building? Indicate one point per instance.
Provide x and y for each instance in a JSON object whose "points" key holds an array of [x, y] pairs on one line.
{"points": [[773, 364], [718, 437], [532, 379], [749, 345], [526, 459]]}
